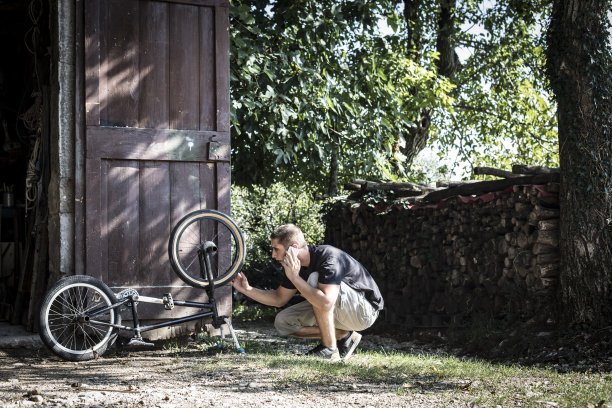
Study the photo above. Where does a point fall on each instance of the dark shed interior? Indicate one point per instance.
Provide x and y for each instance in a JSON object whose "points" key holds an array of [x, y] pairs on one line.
{"points": [[24, 152]]}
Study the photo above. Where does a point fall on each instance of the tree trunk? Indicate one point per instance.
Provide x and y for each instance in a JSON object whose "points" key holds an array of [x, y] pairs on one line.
{"points": [[579, 66], [332, 189], [447, 64], [412, 15], [448, 61], [416, 138]]}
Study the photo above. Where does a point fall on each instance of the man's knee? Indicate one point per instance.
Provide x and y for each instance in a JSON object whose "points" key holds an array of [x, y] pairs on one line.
{"points": [[293, 318], [283, 326]]}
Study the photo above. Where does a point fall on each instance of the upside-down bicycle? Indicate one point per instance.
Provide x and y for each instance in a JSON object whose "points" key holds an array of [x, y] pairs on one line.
{"points": [[80, 316]]}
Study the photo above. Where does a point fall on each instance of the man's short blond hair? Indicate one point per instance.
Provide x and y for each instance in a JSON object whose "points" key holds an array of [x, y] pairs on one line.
{"points": [[288, 235]]}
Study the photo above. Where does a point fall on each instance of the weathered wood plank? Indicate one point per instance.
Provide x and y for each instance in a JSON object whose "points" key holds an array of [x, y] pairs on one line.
{"points": [[455, 183], [222, 60], [120, 64], [151, 144], [154, 224], [208, 186], [489, 186], [206, 3], [93, 219], [122, 221], [153, 59], [92, 61], [184, 65], [524, 169], [223, 205], [494, 172], [184, 189], [80, 119], [208, 80], [365, 185]]}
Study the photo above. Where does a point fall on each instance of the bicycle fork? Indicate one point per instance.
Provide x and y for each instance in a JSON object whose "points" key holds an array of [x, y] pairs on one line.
{"points": [[206, 249]]}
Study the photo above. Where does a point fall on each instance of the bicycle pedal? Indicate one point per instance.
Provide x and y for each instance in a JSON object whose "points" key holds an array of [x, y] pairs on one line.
{"points": [[139, 342], [168, 301]]}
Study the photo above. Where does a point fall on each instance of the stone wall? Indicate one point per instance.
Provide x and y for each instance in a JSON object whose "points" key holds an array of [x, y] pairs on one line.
{"points": [[493, 256]]}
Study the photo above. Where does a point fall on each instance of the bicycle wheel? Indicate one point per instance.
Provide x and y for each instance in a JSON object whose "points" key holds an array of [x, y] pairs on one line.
{"points": [[212, 229], [73, 324]]}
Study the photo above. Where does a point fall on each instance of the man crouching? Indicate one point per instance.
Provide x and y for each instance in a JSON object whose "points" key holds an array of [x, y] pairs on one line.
{"points": [[341, 295]]}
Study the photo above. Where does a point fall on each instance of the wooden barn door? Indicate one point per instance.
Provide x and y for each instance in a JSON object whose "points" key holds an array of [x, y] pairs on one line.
{"points": [[156, 134]]}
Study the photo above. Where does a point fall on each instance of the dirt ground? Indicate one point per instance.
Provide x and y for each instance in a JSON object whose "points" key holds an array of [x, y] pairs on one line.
{"points": [[170, 375], [161, 376]]}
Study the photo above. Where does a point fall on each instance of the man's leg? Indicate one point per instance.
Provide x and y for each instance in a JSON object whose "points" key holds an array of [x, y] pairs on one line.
{"points": [[322, 326], [293, 318], [354, 313], [351, 312], [325, 330], [301, 321], [313, 332]]}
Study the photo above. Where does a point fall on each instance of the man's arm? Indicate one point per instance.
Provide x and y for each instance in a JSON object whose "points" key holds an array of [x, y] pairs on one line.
{"points": [[322, 297], [276, 298]]}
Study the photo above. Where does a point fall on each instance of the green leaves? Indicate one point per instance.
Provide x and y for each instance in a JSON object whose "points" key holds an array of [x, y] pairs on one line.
{"points": [[315, 80], [260, 210], [309, 78], [503, 111]]}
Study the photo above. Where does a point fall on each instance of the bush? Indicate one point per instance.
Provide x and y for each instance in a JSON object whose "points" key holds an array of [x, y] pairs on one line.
{"points": [[259, 211]]}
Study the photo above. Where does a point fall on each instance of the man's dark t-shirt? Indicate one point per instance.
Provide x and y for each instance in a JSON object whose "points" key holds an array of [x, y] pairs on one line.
{"points": [[335, 266]]}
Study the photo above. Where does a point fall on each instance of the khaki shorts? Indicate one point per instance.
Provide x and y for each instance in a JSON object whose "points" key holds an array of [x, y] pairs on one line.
{"points": [[352, 311]]}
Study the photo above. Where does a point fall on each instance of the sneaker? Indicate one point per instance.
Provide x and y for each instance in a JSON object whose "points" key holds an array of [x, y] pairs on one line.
{"points": [[324, 352], [348, 344]]}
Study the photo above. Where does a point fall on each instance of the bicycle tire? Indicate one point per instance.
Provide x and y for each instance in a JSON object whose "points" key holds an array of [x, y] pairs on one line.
{"points": [[191, 232], [64, 318]]}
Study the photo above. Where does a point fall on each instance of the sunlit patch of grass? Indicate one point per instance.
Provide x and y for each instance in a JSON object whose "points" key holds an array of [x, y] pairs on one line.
{"points": [[471, 380], [175, 347]]}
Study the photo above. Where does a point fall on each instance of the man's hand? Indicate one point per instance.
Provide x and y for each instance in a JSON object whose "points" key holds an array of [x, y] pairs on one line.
{"points": [[291, 263], [276, 298], [241, 283]]}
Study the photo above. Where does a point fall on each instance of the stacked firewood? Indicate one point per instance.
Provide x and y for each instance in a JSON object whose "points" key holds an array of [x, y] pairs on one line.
{"points": [[460, 257]]}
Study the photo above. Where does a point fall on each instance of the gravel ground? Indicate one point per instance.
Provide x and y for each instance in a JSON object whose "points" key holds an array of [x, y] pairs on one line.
{"points": [[180, 374], [161, 376]]}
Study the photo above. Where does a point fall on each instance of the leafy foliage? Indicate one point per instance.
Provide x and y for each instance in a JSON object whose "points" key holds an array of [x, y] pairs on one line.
{"points": [[313, 79], [503, 113], [260, 210]]}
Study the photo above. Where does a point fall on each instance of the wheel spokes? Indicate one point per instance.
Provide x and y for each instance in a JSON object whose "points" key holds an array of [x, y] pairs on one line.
{"points": [[67, 318]]}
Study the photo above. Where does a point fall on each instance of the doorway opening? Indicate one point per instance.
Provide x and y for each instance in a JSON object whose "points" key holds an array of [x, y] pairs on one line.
{"points": [[24, 154]]}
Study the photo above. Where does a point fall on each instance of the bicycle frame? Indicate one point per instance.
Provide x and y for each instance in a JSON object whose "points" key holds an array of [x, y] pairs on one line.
{"points": [[132, 299], [80, 316]]}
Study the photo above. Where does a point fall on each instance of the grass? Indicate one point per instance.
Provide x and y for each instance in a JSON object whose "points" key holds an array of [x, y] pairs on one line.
{"points": [[481, 382], [477, 381]]}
